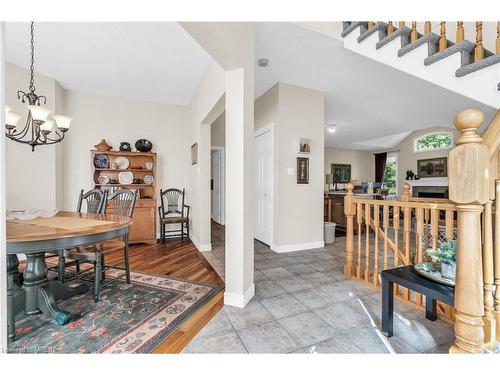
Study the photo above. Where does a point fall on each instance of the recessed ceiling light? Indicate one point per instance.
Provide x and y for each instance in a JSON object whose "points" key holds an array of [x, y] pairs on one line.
{"points": [[263, 62], [332, 129]]}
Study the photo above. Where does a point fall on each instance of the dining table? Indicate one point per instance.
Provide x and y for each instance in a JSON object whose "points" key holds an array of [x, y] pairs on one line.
{"points": [[33, 292]]}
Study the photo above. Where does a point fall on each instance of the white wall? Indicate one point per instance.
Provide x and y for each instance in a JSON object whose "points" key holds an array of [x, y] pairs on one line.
{"points": [[32, 177], [117, 120], [295, 112], [362, 162], [218, 131]]}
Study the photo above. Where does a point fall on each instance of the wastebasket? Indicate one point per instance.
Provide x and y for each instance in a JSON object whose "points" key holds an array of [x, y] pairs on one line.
{"points": [[329, 233]]}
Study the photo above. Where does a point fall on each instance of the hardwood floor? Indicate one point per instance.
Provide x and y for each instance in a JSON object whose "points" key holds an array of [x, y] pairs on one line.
{"points": [[182, 260]]}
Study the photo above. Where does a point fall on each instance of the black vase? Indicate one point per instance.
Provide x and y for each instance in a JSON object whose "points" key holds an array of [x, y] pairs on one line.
{"points": [[143, 145]]}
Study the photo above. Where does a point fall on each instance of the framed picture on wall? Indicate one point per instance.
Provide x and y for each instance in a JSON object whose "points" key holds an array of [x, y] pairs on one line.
{"points": [[435, 167], [341, 173], [302, 170], [304, 146], [194, 154]]}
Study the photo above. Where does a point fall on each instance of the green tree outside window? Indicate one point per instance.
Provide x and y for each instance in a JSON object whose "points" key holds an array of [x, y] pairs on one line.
{"points": [[436, 141]]}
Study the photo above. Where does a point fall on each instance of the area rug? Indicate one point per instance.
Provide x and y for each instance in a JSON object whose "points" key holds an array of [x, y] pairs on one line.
{"points": [[129, 318]]}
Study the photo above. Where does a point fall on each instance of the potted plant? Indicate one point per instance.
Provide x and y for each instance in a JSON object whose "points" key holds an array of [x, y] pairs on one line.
{"points": [[446, 255]]}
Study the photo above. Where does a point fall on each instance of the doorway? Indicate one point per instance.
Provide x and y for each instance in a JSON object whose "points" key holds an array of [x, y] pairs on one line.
{"points": [[263, 184], [217, 183]]}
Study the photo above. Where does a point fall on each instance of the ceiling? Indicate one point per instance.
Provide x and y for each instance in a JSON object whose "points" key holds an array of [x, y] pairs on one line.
{"points": [[373, 105], [152, 61]]}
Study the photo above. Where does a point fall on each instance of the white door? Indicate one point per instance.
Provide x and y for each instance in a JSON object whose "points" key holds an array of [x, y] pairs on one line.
{"points": [[263, 186], [216, 186]]}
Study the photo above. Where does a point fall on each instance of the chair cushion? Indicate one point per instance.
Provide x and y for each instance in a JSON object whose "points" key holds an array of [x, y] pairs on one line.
{"points": [[88, 252], [174, 219]]}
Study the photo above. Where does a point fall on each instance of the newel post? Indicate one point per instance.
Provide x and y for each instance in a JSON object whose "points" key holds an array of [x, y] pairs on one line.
{"points": [[468, 166], [349, 211]]}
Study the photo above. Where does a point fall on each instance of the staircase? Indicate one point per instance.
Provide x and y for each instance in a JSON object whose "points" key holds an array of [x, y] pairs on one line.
{"points": [[464, 67]]}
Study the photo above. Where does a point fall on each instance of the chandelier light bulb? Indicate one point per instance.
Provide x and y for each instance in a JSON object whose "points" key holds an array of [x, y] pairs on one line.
{"points": [[62, 122], [39, 112], [47, 126], [8, 109], [11, 119]]}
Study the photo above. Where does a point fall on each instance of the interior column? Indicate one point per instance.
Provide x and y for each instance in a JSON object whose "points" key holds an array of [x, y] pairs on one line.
{"points": [[239, 187]]}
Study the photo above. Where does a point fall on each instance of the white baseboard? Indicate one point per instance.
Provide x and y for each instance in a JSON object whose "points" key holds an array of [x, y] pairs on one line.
{"points": [[239, 300], [297, 246], [201, 246]]}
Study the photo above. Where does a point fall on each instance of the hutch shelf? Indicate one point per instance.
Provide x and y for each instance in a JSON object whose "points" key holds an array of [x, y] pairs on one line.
{"points": [[143, 229]]}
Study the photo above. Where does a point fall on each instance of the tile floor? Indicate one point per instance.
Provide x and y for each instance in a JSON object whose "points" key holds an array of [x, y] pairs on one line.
{"points": [[304, 304]]}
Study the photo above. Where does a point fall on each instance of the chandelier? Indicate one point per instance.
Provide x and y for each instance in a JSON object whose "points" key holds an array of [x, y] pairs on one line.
{"points": [[39, 128]]}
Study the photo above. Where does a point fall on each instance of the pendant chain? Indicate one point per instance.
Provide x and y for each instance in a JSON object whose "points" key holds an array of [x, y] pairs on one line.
{"points": [[32, 66]]}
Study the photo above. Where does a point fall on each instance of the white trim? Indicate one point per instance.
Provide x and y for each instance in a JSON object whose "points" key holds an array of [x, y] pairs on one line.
{"points": [[263, 130], [222, 184], [239, 300], [203, 247], [429, 181], [415, 140], [3, 266], [297, 246]]}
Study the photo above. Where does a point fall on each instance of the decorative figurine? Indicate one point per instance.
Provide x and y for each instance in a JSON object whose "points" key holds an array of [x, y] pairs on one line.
{"points": [[103, 146], [409, 175]]}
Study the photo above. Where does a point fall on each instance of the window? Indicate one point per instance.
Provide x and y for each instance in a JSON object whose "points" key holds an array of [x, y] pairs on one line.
{"points": [[433, 142], [391, 173]]}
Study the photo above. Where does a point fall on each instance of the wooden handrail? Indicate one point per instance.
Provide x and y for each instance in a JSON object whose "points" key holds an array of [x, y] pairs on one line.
{"points": [[395, 203]]}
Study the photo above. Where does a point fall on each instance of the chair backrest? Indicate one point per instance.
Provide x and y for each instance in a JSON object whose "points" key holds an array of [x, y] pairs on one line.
{"points": [[121, 202], [94, 201], [172, 201]]}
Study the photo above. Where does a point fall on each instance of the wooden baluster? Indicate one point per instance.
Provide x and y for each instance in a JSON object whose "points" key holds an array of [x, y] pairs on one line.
{"points": [[405, 197], [376, 214], [488, 279], [419, 238], [435, 227], [468, 175], [367, 242], [479, 50], [498, 38], [496, 257], [401, 25], [359, 217], [449, 224], [370, 24], [395, 226], [350, 211], [390, 28], [443, 42], [427, 27], [386, 232], [459, 36], [426, 228], [414, 32]]}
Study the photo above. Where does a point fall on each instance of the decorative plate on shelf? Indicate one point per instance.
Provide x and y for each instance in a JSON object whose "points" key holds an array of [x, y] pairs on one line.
{"points": [[148, 179], [122, 162], [125, 178], [433, 271], [103, 179], [101, 161]]}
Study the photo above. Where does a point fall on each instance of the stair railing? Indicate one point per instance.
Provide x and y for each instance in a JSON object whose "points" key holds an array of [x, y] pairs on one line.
{"points": [[392, 233]]}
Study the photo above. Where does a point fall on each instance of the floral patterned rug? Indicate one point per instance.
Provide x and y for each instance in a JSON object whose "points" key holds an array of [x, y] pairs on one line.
{"points": [[129, 318]]}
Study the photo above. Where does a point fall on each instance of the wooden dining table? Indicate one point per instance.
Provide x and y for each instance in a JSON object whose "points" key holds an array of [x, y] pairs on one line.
{"points": [[36, 293]]}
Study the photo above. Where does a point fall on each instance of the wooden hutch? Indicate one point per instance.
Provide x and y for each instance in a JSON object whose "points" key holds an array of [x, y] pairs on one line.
{"points": [[143, 229]]}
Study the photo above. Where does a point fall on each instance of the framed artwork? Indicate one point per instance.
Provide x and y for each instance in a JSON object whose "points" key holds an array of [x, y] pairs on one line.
{"points": [[304, 145], [341, 173], [194, 154], [435, 167], [302, 170]]}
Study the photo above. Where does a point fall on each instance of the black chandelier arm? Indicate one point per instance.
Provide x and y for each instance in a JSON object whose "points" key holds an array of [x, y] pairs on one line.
{"points": [[59, 139]]}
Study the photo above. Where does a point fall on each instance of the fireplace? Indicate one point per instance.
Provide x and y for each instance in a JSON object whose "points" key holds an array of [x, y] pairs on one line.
{"points": [[430, 191]]}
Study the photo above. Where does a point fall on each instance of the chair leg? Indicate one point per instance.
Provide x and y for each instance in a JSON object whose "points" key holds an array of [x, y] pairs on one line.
{"points": [[97, 280], [187, 227], [61, 266], [127, 268], [182, 232], [103, 267]]}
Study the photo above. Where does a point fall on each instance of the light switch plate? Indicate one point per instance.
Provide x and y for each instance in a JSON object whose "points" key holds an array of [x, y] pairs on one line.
{"points": [[291, 171]]}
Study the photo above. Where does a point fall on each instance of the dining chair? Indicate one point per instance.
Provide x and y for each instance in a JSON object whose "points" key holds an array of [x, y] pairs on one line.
{"points": [[122, 203], [91, 202], [172, 203]]}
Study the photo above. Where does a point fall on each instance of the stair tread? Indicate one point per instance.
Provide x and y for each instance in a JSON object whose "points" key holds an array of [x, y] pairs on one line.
{"points": [[379, 26], [426, 39], [405, 32], [475, 66], [465, 48]]}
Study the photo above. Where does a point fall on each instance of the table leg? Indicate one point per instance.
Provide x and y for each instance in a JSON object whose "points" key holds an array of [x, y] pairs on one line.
{"points": [[387, 307], [430, 308], [40, 296], [15, 295]]}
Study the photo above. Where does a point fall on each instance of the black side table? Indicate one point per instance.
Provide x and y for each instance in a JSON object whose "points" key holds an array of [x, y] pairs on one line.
{"points": [[409, 278]]}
